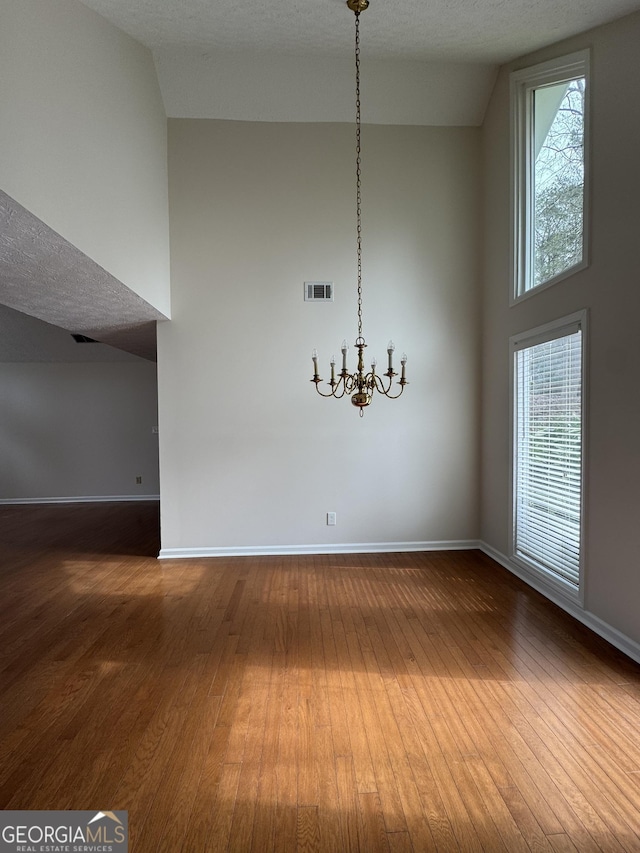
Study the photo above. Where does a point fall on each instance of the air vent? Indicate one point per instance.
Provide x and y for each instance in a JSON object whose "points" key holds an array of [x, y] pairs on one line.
{"points": [[83, 339], [318, 291]]}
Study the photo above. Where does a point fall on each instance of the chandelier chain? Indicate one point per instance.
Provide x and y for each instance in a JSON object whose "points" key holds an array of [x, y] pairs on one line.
{"points": [[358, 182], [361, 384]]}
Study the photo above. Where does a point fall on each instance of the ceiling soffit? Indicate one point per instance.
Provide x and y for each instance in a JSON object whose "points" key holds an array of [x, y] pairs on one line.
{"points": [[44, 276]]}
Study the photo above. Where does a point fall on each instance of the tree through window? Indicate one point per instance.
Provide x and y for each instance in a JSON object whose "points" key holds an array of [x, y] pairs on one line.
{"points": [[559, 181], [549, 105]]}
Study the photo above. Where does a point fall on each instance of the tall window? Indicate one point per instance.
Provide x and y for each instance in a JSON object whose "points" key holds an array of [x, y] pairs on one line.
{"points": [[550, 154], [548, 427]]}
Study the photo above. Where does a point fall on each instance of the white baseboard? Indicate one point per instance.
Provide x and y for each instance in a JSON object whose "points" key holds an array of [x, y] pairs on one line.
{"points": [[76, 500], [348, 548], [598, 626]]}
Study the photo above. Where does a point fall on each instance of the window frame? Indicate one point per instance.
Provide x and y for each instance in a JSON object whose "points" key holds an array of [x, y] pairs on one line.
{"points": [[550, 331], [523, 83]]}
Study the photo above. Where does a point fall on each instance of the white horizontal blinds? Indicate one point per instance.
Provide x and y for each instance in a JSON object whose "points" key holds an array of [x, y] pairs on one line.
{"points": [[548, 436]]}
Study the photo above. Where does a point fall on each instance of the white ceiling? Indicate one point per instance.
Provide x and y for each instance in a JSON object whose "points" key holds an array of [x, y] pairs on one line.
{"points": [[489, 31], [430, 62]]}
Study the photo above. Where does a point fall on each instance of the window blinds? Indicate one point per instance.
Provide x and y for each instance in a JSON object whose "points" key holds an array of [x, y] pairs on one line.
{"points": [[548, 454]]}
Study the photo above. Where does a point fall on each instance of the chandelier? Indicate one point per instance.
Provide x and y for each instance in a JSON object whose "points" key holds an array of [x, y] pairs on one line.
{"points": [[360, 385]]}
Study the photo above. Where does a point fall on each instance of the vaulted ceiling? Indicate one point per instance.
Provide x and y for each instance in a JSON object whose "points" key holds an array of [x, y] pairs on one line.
{"points": [[424, 61], [427, 62], [490, 31]]}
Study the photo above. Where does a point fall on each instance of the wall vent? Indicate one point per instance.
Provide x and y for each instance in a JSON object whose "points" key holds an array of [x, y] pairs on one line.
{"points": [[83, 339], [318, 291]]}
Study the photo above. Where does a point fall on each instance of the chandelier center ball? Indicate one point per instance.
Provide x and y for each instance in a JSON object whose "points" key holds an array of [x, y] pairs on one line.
{"points": [[361, 400]]}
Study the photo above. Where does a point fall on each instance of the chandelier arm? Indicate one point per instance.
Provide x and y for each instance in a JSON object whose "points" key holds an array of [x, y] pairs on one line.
{"points": [[344, 381], [374, 382], [342, 393], [330, 394], [384, 389], [399, 394], [377, 384]]}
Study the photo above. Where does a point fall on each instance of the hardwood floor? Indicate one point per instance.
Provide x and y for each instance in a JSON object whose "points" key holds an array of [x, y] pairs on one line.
{"points": [[341, 703]]}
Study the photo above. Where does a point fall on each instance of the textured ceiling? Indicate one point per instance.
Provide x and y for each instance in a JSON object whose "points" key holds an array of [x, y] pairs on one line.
{"points": [[425, 62], [488, 31], [44, 276]]}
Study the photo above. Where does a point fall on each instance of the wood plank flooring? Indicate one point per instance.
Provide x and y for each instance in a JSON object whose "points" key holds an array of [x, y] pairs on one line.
{"points": [[399, 702]]}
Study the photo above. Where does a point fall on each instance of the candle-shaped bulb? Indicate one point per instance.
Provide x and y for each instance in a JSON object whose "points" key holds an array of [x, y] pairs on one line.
{"points": [[333, 360], [391, 346], [374, 362], [333, 368], [344, 349], [390, 349], [403, 362], [314, 358]]}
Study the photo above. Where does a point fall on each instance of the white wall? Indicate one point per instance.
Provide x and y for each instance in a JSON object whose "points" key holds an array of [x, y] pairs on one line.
{"points": [[78, 430], [250, 455], [609, 290], [243, 85], [83, 138]]}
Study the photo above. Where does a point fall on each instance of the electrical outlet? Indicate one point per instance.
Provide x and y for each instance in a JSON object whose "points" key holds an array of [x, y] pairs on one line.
{"points": [[138, 481], [331, 519]]}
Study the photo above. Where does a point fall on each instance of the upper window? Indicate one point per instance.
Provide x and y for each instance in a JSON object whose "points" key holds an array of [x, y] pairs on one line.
{"points": [[550, 141]]}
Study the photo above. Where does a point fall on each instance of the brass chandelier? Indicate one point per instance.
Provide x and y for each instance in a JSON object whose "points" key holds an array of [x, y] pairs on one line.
{"points": [[360, 385]]}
